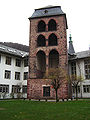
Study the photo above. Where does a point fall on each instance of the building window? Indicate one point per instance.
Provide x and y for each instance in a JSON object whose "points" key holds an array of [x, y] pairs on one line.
{"points": [[16, 89], [41, 64], [87, 68], [17, 75], [24, 89], [52, 40], [25, 62], [41, 41], [74, 90], [4, 88], [8, 60], [7, 74], [25, 75], [73, 68], [46, 91], [41, 26], [18, 62], [53, 59], [86, 88], [52, 25]]}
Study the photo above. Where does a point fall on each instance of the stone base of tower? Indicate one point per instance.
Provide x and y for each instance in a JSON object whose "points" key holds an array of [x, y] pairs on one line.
{"points": [[42, 89]]}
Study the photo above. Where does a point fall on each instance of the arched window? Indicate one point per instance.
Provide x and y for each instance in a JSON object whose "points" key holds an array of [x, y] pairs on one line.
{"points": [[41, 64], [53, 59], [52, 25], [41, 26], [52, 40], [41, 41]]}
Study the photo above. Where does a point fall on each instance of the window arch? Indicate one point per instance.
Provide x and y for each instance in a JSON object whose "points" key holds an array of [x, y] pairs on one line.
{"points": [[41, 63], [53, 59], [52, 25], [41, 26], [41, 41], [52, 41]]}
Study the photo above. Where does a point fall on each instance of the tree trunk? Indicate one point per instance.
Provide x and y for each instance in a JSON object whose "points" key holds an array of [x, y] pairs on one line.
{"points": [[81, 89], [56, 96], [76, 92]]}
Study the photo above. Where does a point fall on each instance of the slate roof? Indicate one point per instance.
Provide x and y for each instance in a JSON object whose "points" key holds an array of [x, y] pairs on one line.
{"points": [[47, 11], [16, 46], [79, 55], [83, 54], [71, 48], [12, 51]]}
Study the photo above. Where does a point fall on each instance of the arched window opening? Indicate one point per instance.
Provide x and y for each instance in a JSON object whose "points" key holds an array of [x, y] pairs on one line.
{"points": [[53, 59], [52, 41], [52, 25], [41, 41], [41, 26], [41, 64]]}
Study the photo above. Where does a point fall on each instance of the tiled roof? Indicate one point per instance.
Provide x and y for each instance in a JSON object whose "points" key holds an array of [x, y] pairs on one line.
{"points": [[47, 11], [12, 51]]}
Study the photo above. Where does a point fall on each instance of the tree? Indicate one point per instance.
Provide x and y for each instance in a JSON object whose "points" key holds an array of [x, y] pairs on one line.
{"points": [[17, 91], [75, 81], [76, 78], [19, 94], [56, 75]]}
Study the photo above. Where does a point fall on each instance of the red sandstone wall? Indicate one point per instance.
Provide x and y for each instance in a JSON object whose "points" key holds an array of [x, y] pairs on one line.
{"points": [[35, 89], [35, 85]]}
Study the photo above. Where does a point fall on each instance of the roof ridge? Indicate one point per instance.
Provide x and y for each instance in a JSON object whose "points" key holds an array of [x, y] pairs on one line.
{"points": [[12, 48], [48, 7], [16, 46]]}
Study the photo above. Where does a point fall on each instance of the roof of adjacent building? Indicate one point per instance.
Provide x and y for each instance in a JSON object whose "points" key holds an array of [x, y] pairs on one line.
{"points": [[83, 54], [13, 51], [79, 55], [16, 46], [47, 11]]}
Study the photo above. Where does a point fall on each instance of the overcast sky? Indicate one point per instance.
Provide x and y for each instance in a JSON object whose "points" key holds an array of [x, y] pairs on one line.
{"points": [[14, 23]]}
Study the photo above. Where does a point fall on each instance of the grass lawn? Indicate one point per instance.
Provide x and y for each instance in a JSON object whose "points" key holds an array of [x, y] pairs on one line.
{"points": [[31, 110]]}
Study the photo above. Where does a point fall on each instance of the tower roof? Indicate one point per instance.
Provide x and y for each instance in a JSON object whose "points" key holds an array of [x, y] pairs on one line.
{"points": [[47, 11], [71, 48]]}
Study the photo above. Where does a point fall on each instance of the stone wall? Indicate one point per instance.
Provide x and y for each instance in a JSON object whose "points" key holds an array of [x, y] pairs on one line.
{"points": [[34, 84]]}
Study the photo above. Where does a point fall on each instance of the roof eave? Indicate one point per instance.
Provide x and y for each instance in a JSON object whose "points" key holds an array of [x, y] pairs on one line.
{"points": [[30, 18]]}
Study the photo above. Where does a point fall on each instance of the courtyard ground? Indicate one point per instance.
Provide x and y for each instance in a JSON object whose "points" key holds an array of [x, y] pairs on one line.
{"points": [[39, 110]]}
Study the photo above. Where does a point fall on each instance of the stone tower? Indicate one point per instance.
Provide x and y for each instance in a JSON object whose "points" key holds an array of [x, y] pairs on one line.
{"points": [[48, 49]]}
